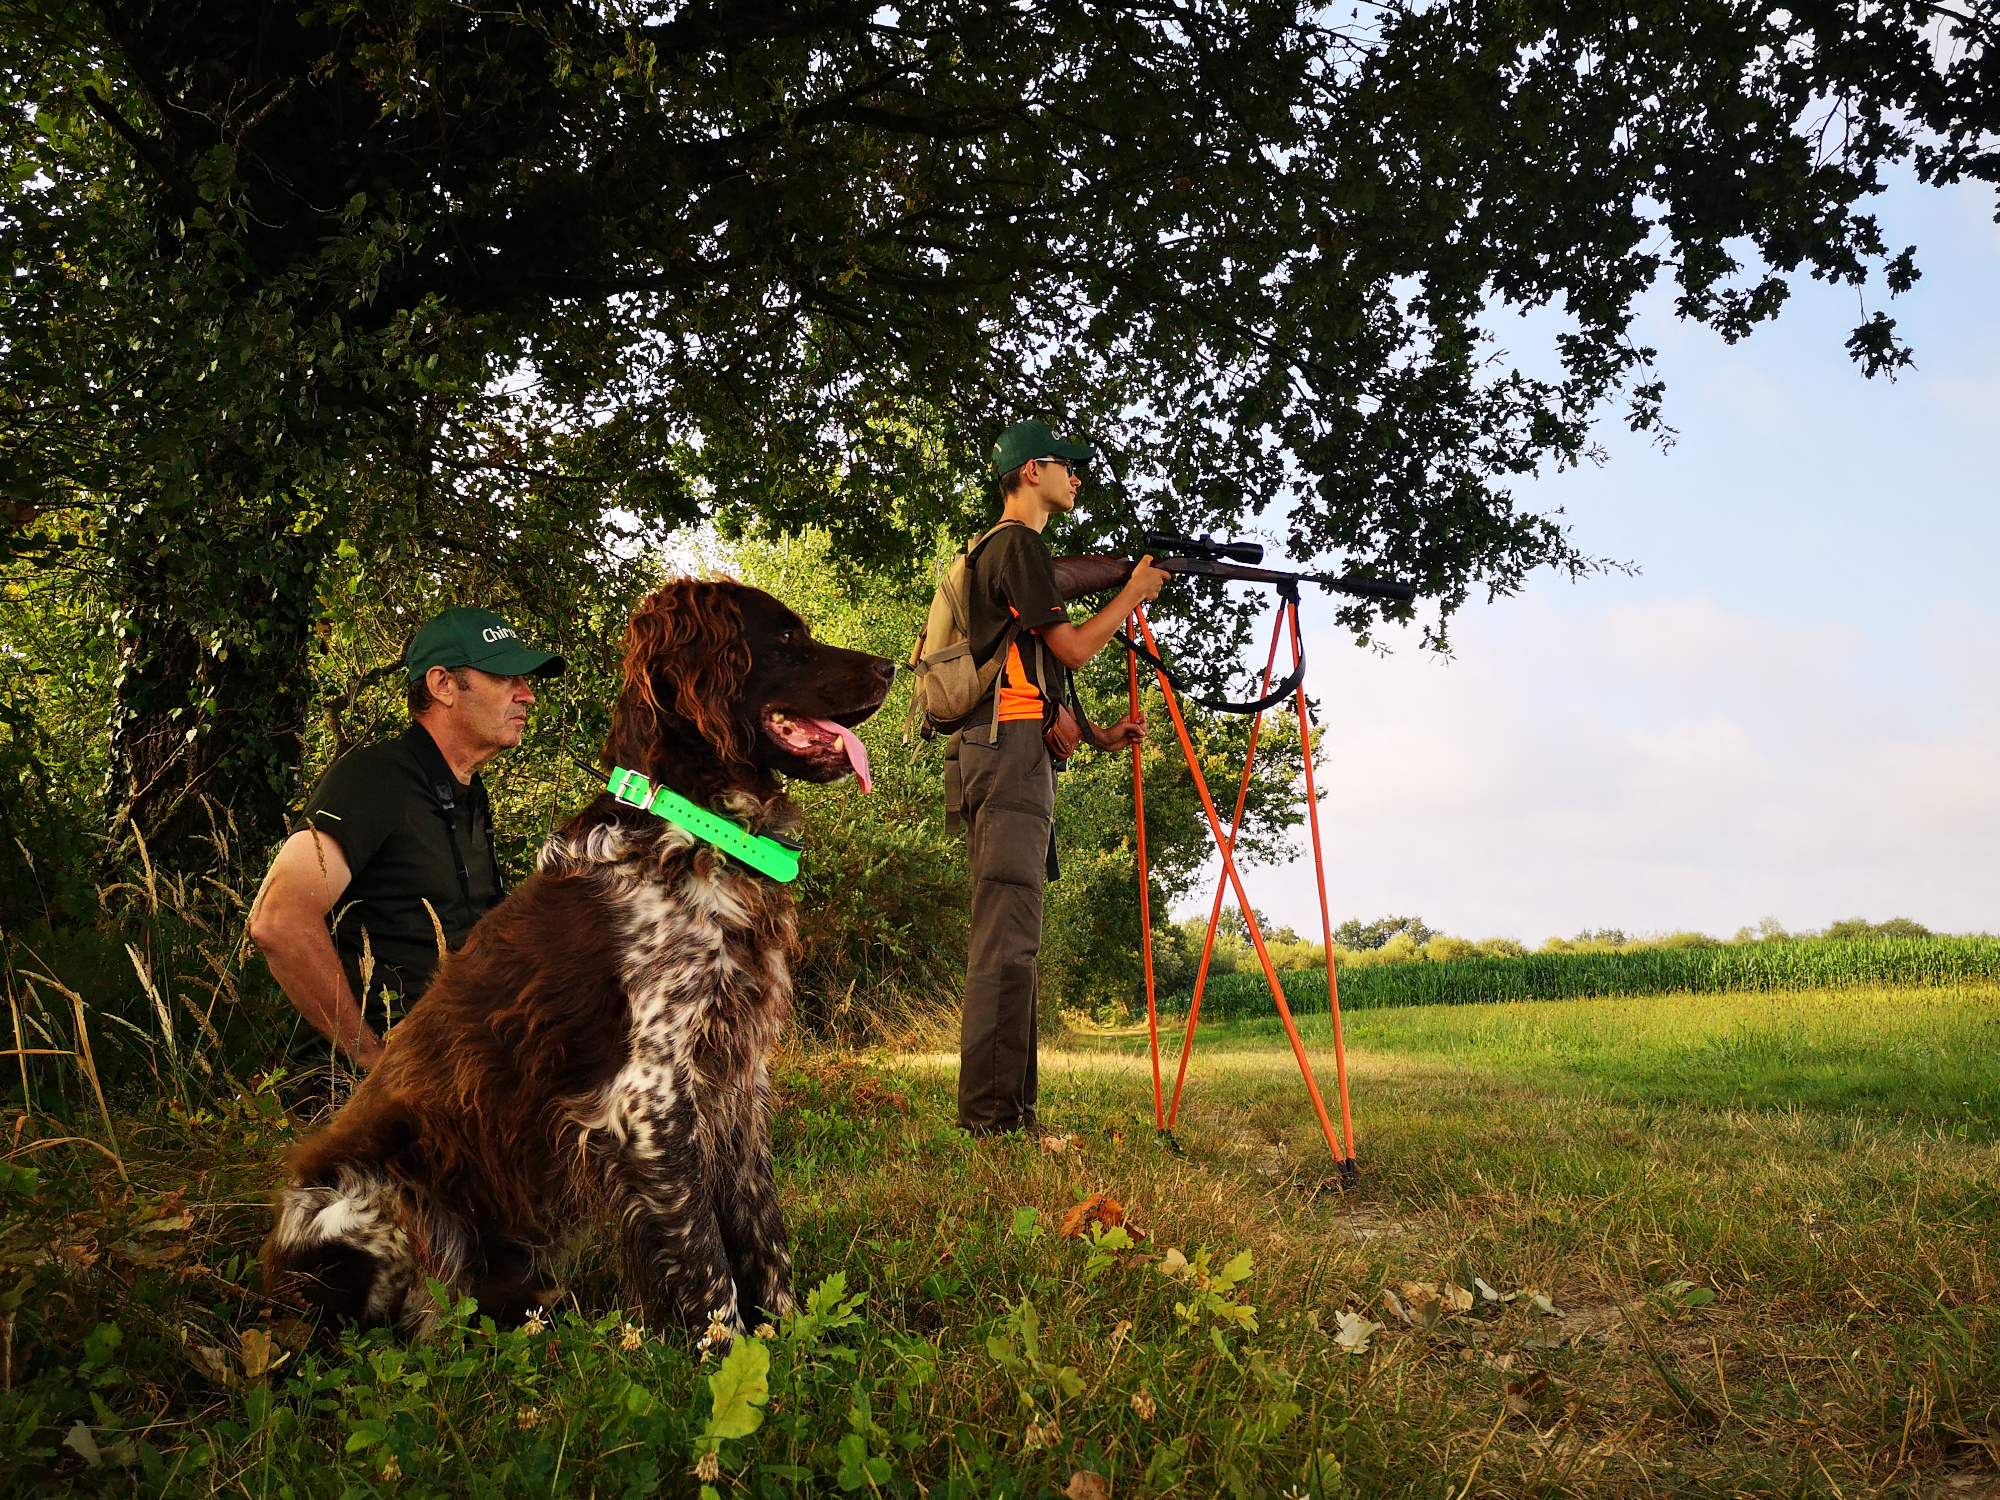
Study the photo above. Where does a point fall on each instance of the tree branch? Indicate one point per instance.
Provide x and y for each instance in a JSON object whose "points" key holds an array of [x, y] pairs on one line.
{"points": [[148, 150]]}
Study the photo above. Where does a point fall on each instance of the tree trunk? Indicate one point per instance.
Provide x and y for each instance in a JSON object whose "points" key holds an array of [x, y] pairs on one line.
{"points": [[213, 626]]}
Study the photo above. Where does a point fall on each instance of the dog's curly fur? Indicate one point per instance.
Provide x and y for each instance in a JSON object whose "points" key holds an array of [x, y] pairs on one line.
{"points": [[601, 1038]]}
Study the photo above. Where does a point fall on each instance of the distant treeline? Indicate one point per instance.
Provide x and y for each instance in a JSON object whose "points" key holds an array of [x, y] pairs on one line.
{"points": [[1580, 974]]}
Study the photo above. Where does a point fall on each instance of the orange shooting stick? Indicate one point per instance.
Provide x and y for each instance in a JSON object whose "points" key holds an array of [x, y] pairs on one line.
{"points": [[1145, 888], [1221, 885], [1243, 900], [1325, 917]]}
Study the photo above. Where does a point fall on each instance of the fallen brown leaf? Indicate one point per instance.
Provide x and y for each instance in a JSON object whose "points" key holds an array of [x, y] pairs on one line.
{"points": [[1523, 1396], [1098, 1208], [291, 1333], [1083, 1485]]}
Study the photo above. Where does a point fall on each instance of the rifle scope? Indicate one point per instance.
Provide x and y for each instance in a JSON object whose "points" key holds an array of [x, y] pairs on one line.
{"points": [[1170, 544]]}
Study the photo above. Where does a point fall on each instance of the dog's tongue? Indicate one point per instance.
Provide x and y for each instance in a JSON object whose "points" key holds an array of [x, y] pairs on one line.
{"points": [[857, 753]]}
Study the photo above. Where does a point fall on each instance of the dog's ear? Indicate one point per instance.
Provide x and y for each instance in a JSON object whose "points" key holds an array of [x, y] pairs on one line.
{"points": [[686, 659]]}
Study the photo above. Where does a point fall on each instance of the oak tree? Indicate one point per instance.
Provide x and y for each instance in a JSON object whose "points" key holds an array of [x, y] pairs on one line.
{"points": [[457, 281]]}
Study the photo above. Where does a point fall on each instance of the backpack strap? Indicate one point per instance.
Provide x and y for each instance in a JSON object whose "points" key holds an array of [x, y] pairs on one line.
{"points": [[964, 619], [1007, 638]]}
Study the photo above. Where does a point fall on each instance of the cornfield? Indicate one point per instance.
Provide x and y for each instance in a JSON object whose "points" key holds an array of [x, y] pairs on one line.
{"points": [[1578, 976]]}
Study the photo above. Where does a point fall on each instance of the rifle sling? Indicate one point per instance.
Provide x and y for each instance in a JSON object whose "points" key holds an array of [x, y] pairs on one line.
{"points": [[1271, 699]]}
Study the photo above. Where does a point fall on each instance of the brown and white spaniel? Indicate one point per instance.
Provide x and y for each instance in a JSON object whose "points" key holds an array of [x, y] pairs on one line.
{"points": [[600, 1041]]}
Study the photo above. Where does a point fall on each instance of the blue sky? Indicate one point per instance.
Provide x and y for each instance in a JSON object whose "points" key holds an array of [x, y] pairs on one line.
{"points": [[1792, 711]]}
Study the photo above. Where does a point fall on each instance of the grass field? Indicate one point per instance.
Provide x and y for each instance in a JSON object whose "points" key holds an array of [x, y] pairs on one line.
{"points": [[1763, 1231]]}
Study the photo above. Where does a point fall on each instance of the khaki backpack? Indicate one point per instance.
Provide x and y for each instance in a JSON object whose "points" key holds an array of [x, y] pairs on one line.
{"points": [[949, 687]]}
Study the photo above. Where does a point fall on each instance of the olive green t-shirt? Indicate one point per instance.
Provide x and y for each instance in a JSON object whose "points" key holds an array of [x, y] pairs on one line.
{"points": [[377, 804]]}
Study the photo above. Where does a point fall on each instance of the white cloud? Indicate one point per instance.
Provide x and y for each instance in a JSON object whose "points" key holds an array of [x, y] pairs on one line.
{"points": [[1659, 764], [1970, 401]]}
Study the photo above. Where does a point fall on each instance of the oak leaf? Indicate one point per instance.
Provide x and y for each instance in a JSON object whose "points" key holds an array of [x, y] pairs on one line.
{"points": [[1098, 1208], [1355, 1331]]}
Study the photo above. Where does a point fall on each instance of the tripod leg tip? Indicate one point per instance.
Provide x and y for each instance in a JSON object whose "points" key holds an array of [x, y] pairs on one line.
{"points": [[1349, 1173], [1166, 1138]]}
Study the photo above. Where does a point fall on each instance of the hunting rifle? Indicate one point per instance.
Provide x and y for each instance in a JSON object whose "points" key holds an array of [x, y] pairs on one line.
{"points": [[1199, 557]]}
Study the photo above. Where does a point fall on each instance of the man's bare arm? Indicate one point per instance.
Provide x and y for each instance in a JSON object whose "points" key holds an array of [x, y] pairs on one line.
{"points": [[1074, 645], [288, 923]]}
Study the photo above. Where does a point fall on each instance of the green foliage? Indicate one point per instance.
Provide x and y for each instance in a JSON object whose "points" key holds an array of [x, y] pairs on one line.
{"points": [[828, 1308], [738, 1389], [1852, 928], [1354, 933], [44, 874], [447, 283], [1214, 1292], [1041, 1386]]}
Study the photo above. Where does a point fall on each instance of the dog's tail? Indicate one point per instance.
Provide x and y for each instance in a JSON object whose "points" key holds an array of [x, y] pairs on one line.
{"points": [[352, 1248]]}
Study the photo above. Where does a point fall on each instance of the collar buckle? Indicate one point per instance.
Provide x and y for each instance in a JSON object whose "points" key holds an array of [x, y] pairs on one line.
{"points": [[631, 788]]}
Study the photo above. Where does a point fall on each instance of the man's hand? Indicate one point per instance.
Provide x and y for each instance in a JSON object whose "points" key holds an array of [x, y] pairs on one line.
{"points": [[1146, 581], [1126, 733]]}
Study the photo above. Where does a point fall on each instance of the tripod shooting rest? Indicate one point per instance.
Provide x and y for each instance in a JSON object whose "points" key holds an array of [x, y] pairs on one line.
{"points": [[1166, 1114]]}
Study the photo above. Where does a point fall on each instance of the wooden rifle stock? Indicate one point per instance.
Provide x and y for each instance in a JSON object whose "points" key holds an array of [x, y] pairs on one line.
{"points": [[1080, 577]]}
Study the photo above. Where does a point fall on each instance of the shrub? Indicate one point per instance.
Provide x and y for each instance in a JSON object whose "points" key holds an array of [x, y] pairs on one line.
{"points": [[1443, 949], [1676, 941], [1859, 927]]}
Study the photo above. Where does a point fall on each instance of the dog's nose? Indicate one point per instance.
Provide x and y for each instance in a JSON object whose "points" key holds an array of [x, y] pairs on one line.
{"points": [[884, 668]]}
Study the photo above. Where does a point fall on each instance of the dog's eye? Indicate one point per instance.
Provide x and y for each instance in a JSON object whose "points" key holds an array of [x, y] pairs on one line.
{"points": [[787, 637]]}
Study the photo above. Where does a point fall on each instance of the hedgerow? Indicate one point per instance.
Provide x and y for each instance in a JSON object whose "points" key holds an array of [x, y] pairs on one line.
{"points": [[1581, 975]]}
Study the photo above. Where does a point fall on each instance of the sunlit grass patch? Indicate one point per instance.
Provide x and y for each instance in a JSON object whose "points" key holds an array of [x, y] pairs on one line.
{"points": [[1921, 1056], [1564, 1271]]}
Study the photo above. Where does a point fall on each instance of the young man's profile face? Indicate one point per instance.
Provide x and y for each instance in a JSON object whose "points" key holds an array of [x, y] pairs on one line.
{"points": [[1053, 482]]}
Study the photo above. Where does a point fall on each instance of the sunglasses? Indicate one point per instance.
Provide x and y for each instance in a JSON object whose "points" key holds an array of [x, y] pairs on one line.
{"points": [[1061, 463]]}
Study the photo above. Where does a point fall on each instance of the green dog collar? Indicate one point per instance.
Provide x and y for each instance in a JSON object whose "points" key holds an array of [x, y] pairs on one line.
{"points": [[767, 856]]}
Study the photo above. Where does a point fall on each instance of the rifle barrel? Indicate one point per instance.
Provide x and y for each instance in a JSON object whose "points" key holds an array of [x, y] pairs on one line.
{"points": [[1080, 577], [1340, 583]]}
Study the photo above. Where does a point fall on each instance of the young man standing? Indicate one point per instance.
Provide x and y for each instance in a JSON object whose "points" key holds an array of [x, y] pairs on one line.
{"points": [[1004, 787], [399, 835]]}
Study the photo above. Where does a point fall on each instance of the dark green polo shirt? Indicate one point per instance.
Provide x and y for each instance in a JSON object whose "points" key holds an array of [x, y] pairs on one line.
{"points": [[377, 803]]}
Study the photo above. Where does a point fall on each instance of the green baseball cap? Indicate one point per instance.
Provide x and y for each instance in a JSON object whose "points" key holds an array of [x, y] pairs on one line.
{"points": [[1031, 439], [477, 638]]}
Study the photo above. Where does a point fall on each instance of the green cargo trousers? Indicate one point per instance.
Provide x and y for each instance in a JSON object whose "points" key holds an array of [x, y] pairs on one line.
{"points": [[1006, 793]]}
